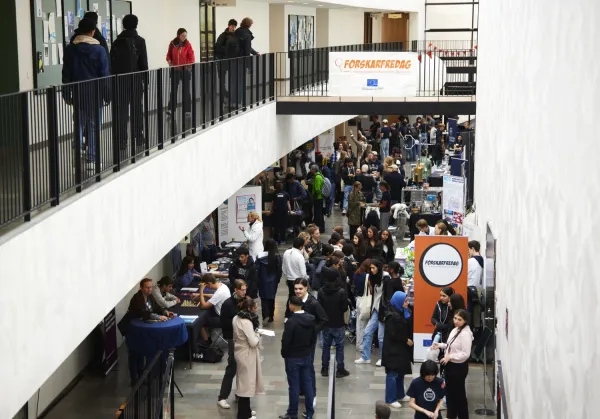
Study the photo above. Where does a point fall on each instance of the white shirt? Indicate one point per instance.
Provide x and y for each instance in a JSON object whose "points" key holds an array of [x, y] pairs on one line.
{"points": [[221, 294], [431, 232], [294, 266], [432, 135], [255, 239], [475, 278]]}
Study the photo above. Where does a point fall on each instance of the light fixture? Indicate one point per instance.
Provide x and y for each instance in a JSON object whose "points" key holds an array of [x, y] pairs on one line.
{"points": [[319, 5]]}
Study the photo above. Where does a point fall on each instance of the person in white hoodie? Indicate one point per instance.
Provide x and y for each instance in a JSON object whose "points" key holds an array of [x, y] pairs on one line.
{"points": [[254, 235], [458, 352]]}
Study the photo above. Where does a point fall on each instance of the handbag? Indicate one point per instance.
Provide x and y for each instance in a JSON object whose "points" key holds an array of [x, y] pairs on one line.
{"points": [[365, 302]]}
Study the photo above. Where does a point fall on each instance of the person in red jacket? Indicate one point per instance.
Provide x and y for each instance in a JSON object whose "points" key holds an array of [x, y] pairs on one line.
{"points": [[179, 56]]}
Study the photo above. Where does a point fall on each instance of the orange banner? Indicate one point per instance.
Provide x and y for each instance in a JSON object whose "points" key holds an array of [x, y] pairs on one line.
{"points": [[440, 261]]}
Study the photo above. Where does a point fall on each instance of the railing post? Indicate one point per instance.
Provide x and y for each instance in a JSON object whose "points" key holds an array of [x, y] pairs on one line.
{"points": [[263, 61], [159, 109], [128, 103], [53, 160], [172, 392], [185, 99], [27, 157], [272, 75], [146, 92], [99, 99], [215, 80], [116, 146], [76, 99], [173, 102], [203, 95], [193, 98]]}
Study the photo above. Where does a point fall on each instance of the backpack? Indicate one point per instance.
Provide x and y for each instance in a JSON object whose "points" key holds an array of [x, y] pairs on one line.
{"points": [[123, 56], [209, 354], [219, 50], [326, 188]]}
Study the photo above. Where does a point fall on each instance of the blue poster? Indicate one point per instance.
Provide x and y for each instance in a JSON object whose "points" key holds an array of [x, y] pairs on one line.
{"points": [[452, 132], [104, 34], [80, 11]]}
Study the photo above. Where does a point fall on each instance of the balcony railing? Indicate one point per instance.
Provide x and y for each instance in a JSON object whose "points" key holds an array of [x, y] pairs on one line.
{"points": [[56, 141]]}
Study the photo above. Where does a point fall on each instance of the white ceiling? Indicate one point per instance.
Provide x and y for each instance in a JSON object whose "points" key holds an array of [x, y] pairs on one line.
{"points": [[319, 4]]}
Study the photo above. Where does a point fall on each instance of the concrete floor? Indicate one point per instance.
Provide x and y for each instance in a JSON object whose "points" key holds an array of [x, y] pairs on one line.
{"points": [[97, 397]]}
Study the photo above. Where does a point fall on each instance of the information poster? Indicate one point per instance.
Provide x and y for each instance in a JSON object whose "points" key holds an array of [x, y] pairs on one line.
{"points": [[452, 132], [325, 143], [109, 333], [440, 261], [244, 204], [223, 222], [453, 201]]}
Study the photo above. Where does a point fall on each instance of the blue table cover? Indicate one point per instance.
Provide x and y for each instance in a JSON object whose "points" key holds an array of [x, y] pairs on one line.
{"points": [[147, 338]]}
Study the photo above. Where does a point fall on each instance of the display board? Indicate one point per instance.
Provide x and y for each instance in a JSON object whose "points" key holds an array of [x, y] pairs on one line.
{"points": [[440, 261], [233, 213], [325, 143], [454, 202], [373, 74], [452, 132]]}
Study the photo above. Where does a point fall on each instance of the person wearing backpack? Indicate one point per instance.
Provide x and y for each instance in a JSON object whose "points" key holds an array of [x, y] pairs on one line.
{"points": [[179, 56], [321, 186], [244, 37], [226, 48], [129, 55], [93, 16]]}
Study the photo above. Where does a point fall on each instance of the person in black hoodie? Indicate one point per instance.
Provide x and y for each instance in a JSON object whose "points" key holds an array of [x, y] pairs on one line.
{"points": [[391, 284], [442, 315], [297, 344], [334, 300], [226, 48], [229, 310], [129, 55], [244, 37], [93, 16], [244, 268], [312, 306]]}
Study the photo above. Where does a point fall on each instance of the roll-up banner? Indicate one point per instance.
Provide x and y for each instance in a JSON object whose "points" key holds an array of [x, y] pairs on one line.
{"points": [[440, 261], [373, 74]]}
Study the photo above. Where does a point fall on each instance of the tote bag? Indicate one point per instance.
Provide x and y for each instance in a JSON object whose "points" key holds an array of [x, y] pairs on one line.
{"points": [[365, 302]]}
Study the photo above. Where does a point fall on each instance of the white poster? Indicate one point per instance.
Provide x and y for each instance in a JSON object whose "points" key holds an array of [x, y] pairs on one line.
{"points": [[244, 204], [453, 201], [59, 8], [46, 31], [373, 74], [107, 7], [46, 55], [95, 7], [38, 8], [52, 27], [228, 213], [60, 53], [54, 54], [223, 226], [118, 26], [326, 143]]}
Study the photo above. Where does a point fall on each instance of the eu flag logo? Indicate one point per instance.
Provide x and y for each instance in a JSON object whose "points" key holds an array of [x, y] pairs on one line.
{"points": [[372, 82]]}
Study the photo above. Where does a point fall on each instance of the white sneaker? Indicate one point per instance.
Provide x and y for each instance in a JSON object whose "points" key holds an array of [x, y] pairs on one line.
{"points": [[223, 404], [395, 405], [362, 361], [314, 402], [378, 364], [405, 399], [254, 413]]}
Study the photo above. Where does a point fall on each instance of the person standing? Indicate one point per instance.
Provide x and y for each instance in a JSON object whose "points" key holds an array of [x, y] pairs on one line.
{"points": [[348, 176], [244, 37], [427, 392], [226, 48], [298, 340], [396, 182], [269, 273], [385, 205], [93, 16], [248, 381], [129, 55], [375, 284], [334, 300], [255, 234], [317, 196], [356, 202], [85, 59], [475, 266], [281, 209], [397, 349], [385, 139], [293, 267], [209, 239], [245, 268], [229, 310], [458, 352], [179, 56]]}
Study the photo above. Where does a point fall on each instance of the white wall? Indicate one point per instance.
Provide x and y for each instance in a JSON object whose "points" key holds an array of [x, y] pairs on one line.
{"points": [[322, 22], [276, 27], [257, 11], [103, 241], [545, 218], [377, 24], [346, 27], [450, 16], [24, 42]]}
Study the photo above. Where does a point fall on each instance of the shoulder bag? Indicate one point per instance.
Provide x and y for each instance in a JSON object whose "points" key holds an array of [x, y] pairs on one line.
{"points": [[365, 302]]}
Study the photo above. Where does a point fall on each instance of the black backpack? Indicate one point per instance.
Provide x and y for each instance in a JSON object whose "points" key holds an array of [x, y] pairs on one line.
{"points": [[219, 50], [124, 56]]}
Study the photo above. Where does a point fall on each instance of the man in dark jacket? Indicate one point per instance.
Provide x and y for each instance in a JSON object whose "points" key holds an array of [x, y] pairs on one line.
{"points": [[130, 89], [229, 310], [348, 176], [396, 182], [226, 48], [297, 343], [244, 268], [244, 37], [85, 59], [93, 16], [334, 300], [391, 284]]}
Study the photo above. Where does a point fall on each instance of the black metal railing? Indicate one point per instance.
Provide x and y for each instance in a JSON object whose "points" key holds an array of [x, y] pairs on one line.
{"points": [[153, 395], [442, 71], [331, 387]]}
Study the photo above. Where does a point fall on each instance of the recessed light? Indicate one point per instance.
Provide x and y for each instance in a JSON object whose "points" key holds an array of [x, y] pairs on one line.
{"points": [[319, 5], [304, 3]]}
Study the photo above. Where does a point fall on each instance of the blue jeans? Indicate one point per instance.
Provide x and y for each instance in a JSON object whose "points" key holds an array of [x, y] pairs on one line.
{"points": [[385, 148], [394, 387], [332, 197], [87, 123], [335, 336], [298, 372], [347, 189], [373, 325]]}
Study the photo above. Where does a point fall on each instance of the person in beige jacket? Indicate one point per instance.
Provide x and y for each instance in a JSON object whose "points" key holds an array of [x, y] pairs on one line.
{"points": [[247, 356]]}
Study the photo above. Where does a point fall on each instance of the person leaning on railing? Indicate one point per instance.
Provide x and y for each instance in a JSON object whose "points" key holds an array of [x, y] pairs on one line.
{"points": [[179, 55]]}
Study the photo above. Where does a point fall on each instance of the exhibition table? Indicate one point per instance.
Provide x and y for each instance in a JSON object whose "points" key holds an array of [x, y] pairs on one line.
{"points": [[149, 337]]}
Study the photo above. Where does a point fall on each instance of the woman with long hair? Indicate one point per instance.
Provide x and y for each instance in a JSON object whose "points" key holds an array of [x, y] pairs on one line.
{"points": [[356, 202], [269, 274], [186, 273], [458, 352], [387, 246], [442, 315], [254, 235], [374, 246], [247, 356], [360, 247], [360, 277], [375, 284], [387, 164]]}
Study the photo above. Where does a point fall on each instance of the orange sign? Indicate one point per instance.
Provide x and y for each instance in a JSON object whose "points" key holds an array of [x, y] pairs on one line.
{"points": [[440, 261], [396, 64]]}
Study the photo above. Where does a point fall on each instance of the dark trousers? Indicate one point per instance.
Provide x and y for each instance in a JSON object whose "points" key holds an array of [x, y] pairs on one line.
{"points": [[297, 371], [230, 372], [244, 409], [209, 253], [180, 76], [456, 393], [318, 214], [311, 373], [333, 336], [268, 308], [352, 232], [136, 365], [130, 112], [280, 227], [290, 285]]}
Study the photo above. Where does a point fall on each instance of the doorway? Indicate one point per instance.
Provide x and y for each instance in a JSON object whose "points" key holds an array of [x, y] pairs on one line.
{"points": [[394, 28]]}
